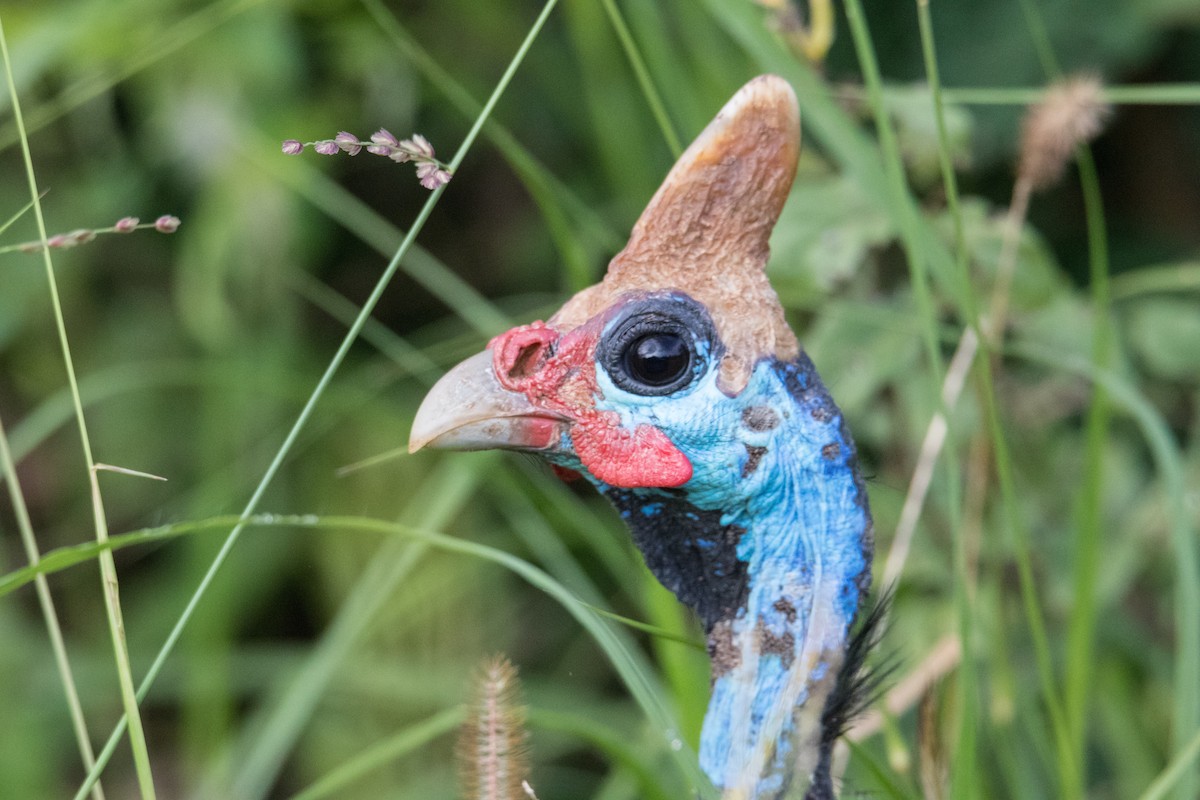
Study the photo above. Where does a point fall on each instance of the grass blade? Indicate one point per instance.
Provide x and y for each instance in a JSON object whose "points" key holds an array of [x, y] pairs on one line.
{"points": [[309, 407], [108, 568]]}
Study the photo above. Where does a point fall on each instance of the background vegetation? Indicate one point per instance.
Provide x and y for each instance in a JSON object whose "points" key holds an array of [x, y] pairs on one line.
{"points": [[1058, 543]]}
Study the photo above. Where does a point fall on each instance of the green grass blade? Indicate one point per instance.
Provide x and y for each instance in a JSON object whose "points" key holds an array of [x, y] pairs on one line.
{"points": [[1187, 94], [1185, 540], [273, 731], [965, 765], [639, 682], [557, 202], [384, 752], [108, 568], [1175, 771], [645, 82], [326, 378], [1088, 539], [50, 616], [612, 743], [168, 41]]}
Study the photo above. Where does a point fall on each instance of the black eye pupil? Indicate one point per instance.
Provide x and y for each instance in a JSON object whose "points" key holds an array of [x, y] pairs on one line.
{"points": [[657, 359]]}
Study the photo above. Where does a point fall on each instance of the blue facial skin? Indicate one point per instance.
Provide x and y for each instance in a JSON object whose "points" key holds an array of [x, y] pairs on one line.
{"points": [[770, 542]]}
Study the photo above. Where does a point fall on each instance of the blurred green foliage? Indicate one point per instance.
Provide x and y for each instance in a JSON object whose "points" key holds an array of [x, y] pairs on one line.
{"points": [[196, 351]]}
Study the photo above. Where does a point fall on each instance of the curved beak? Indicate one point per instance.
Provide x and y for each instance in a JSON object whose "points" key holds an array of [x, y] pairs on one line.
{"points": [[468, 409]]}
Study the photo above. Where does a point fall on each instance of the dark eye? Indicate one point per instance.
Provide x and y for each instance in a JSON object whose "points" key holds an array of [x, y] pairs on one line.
{"points": [[658, 359], [659, 345]]}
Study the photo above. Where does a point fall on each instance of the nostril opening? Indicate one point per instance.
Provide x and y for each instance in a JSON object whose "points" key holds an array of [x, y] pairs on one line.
{"points": [[526, 358], [520, 353]]}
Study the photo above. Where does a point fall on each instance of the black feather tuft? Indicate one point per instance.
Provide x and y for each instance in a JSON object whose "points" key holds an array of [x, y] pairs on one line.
{"points": [[857, 685], [857, 688]]}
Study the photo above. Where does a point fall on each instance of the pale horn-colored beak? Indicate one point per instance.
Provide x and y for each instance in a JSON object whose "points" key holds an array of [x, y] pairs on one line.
{"points": [[468, 409]]}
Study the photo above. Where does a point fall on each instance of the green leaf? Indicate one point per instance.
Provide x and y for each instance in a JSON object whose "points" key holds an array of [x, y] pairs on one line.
{"points": [[1164, 333], [827, 228]]}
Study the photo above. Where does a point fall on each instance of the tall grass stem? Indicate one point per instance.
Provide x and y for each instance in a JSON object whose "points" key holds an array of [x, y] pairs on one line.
{"points": [[46, 601], [108, 568]]}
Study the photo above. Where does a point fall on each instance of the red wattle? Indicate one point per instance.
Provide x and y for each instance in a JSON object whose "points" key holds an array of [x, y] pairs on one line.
{"points": [[643, 457]]}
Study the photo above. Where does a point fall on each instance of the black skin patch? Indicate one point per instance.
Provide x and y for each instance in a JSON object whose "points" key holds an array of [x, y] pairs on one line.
{"points": [[754, 455], [760, 418], [688, 550]]}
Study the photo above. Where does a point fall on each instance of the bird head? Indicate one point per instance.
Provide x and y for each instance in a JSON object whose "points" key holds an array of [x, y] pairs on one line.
{"points": [[676, 386]]}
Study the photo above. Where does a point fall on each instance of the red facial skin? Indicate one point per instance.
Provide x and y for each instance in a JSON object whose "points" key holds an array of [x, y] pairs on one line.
{"points": [[557, 373]]}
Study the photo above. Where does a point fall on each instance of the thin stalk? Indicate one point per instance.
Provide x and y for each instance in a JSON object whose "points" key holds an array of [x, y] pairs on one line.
{"points": [[1175, 771], [964, 772], [309, 406], [911, 234], [643, 77], [555, 199], [1186, 94], [164, 43], [108, 567], [272, 731], [1081, 628], [384, 752], [78, 723]]}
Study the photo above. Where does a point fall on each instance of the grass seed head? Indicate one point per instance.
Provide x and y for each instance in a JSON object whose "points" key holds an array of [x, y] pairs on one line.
{"points": [[1071, 113]]}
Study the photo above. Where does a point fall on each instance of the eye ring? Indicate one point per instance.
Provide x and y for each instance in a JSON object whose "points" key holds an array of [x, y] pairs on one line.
{"points": [[658, 347]]}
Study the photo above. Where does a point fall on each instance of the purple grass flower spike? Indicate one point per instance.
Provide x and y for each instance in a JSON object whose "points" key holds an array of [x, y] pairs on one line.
{"points": [[418, 150], [384, 143], [384, 136], [420, 146], [431, 176], [167, 223], [80, 236], [348, 142]]}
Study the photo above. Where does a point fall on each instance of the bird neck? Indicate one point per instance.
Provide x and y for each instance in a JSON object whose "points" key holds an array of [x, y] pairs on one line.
{"points": [[776, 578]]}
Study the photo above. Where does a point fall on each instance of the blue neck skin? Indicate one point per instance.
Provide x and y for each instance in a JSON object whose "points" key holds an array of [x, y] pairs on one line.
{"points": [[770, 543]]}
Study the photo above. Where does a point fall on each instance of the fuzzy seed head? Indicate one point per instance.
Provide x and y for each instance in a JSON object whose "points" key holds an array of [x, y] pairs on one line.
{"points": [[166, 224], [292, 147], [326, 147], [492, 756], [126, 225], [1070, 114]]}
